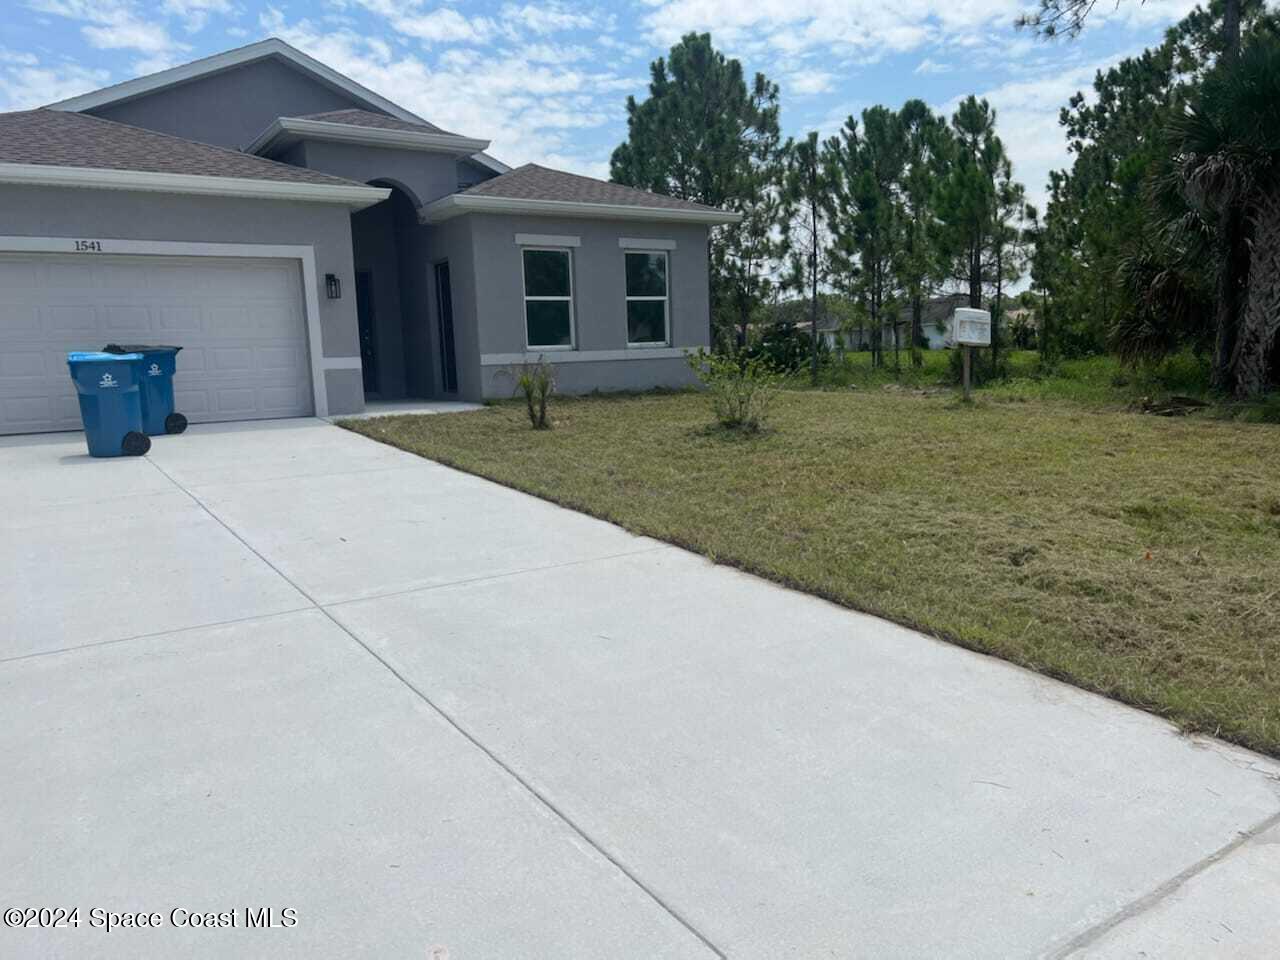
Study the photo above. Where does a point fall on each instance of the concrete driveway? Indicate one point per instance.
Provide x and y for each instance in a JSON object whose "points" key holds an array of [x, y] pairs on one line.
{"points": [[279, 665]]}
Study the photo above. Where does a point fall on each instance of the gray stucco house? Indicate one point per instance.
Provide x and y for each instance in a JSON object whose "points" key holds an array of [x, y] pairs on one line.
{"points": [[312, 244]]}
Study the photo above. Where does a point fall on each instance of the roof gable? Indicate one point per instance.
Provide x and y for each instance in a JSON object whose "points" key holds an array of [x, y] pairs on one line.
{"points": [[207, 66], [346, 96]]}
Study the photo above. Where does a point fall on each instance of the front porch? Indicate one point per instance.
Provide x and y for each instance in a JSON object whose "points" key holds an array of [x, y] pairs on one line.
{"points": [[404, 304]]}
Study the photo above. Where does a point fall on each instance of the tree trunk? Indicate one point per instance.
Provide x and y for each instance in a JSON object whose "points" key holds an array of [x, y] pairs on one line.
{"points": [[1230, 30], [1233, 256], [995, 312], [975, 275], [813, 306], [1233, 266], [917, 331], [1261, 320], [1044, 343]]}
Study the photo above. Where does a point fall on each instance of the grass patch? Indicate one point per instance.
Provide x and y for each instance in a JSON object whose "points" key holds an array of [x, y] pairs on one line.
{"points": [[1132, 555], [1093, 381]]}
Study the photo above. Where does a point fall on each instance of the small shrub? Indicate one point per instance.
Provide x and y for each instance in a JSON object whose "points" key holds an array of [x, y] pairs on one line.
{"points": [[537, 381], [786, 348], [742, 388], [980, 371]]}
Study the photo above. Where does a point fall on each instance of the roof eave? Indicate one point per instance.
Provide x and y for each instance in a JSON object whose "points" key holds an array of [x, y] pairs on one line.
{"points": [[354, 196], [455, 205], [290, 129], [490, 163]]}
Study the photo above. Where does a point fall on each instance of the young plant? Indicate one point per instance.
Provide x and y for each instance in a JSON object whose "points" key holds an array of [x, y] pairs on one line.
{"points": [[537, 381], [742, 388]]}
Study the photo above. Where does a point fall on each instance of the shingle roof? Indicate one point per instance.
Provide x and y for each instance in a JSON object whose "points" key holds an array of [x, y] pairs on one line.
{"points": [[532, 182], [65, 139], [367, 118]]}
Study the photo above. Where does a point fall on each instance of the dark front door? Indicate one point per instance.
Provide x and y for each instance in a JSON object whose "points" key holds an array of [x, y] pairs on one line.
{"points": [[364, 313], [444, 297]]}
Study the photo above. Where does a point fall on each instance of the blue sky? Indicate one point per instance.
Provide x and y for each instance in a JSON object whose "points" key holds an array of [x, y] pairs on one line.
{"points": [[547, 80]]}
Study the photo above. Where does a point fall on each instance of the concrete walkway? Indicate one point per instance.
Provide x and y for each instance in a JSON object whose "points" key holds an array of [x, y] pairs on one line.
{"points": [[280, 665]]}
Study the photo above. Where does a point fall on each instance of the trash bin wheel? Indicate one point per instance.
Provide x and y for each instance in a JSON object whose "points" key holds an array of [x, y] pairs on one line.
{"points": [[135, 444], [175, 423]]}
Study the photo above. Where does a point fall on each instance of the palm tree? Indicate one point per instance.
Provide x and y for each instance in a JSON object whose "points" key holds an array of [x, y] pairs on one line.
{"points": [[1226, 148]]}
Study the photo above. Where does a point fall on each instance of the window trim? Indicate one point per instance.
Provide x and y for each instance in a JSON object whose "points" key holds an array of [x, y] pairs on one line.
{"points": [[665, 299], [525, 298]]}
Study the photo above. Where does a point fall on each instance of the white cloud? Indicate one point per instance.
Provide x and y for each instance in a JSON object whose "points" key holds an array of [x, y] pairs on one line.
{"points": [[129, 34], [807, 82], [25, 83], [441, 25], [117, 25], [195, 14], [555, 52], [552, 16], [19, 59], [532, 110], [930, 66], [852, 28]]}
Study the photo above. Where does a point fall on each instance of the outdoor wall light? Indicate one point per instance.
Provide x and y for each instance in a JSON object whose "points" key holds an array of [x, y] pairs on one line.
{"points": [[332, 286]]}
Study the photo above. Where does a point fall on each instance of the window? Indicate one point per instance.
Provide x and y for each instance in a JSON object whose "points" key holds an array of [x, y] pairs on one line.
{"points": [[646, 298], [548, 299]]}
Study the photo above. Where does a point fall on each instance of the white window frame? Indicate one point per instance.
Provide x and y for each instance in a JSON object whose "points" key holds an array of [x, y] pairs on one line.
{"points": [[525, 298], [665, 298]]}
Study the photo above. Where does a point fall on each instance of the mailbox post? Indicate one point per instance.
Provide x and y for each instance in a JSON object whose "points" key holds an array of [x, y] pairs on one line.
{"points": [[970, 328]]}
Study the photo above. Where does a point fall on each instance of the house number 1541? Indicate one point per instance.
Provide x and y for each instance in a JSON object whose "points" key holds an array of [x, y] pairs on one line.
{"points": [[88, 246]]}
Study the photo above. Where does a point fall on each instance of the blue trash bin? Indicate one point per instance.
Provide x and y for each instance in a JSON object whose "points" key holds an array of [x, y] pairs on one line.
{"points": [[110, 402], [158, 365]]}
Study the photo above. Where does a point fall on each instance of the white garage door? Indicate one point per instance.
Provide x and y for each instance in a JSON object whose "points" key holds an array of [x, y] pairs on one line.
{"points": [[240, 323]]}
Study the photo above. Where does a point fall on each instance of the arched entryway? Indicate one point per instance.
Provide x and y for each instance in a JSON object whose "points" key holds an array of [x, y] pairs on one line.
{"points": [[392, 297]]}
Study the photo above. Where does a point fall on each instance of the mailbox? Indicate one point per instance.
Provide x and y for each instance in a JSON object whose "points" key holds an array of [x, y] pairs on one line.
{"points": [[971, 328]]}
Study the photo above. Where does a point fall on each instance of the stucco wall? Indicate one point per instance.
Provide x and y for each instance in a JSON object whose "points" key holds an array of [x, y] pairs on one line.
{"points": [[123, 215], [599, 295], [453, 241], [426, 176], [232, 107]]}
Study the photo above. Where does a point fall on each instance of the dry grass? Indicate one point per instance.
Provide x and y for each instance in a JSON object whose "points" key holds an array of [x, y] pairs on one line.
{"points": [[1135, 556]]}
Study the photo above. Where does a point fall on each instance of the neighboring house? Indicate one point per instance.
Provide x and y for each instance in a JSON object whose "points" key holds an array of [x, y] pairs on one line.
{"points": [[935, 326], [310, 243], [1022, 326], [935, 322]]}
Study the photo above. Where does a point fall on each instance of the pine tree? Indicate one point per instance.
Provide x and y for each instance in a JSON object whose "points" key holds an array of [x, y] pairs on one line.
{"points": [[808, 188], [919, 265], [866, 169], [704, 135]]}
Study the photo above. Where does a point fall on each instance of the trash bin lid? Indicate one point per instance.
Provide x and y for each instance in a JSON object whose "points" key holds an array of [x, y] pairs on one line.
{"points": [[140, 348], [96, 356]]}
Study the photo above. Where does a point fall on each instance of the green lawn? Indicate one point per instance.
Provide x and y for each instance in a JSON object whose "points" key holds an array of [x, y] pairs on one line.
{"points": [[1132, 555]]}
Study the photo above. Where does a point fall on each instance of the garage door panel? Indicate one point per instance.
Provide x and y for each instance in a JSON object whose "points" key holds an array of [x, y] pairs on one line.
{"points": [[240, 323], [17, 320], [71, 318], [30, 410], [229, 361], [19, 365], [281, 359], [128, 318], [193, 403], [177, 318]]}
